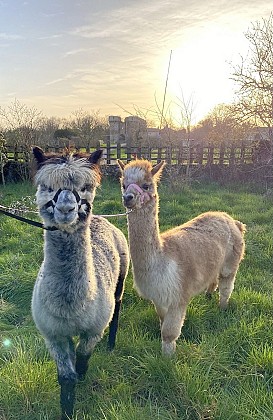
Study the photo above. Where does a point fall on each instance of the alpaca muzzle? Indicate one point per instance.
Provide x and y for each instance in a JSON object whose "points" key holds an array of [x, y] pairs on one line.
{"points": [[132, 191], [66, 202], [66, 207], [52, 203]]}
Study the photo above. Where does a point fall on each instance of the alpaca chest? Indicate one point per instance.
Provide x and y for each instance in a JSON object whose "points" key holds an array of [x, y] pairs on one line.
{"points": [[73, 310], [158, 281]]}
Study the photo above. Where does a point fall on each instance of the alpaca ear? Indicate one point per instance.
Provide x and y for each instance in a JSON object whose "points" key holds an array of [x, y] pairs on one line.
{"points": [[121, 165], [95, 156], [39, 155], [157, 169]]}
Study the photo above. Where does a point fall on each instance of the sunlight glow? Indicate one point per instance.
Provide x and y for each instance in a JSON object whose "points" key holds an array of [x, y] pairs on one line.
{"points": [[7, 342], [200, 69]]}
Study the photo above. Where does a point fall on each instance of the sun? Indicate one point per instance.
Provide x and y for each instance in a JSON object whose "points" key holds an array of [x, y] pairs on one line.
{"points": [[200, 70]]}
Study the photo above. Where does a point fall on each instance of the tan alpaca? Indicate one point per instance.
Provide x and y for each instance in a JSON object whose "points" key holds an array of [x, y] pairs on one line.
{"points": [[171, 267]]}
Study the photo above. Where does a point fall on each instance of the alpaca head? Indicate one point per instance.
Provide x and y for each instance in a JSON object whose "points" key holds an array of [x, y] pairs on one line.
{"points": [[139, 182], [66, 187]]}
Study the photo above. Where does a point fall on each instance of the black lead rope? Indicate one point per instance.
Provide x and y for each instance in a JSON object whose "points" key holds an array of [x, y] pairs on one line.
{"points": [[28, 221], [52, 204]]}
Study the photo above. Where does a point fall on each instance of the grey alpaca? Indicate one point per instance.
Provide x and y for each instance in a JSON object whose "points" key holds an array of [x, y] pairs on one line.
{"points": [[80, 284]]}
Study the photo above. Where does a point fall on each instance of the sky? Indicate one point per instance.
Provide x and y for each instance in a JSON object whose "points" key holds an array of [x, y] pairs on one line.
{"points": [[112, 56]]}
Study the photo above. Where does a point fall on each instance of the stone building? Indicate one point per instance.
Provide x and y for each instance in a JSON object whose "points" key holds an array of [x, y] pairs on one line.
{"points": [[134, 131], [131, 130]]}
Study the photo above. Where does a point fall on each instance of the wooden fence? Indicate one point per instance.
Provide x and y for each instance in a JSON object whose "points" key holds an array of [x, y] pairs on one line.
{"points": [[195, 155]]}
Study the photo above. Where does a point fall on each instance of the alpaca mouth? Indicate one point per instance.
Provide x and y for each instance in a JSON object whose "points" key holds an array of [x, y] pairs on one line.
{"points": [[58, 218], [130, 206], [129, 203], [66, 220]]}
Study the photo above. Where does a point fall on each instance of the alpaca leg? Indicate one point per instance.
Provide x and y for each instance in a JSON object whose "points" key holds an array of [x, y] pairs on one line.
{"points": [[114, 322], [113, 328], [212, 287], [229, 270], [226, 286], [63, 353], [161, 312], [83, 353], [171, 329]]}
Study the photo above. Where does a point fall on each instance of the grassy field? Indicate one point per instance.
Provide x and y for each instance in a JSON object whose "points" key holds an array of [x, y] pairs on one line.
{"points": [[223, 368]]}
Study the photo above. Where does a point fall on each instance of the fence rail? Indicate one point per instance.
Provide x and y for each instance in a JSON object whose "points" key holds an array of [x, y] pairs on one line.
{"points": [[194, 155]]}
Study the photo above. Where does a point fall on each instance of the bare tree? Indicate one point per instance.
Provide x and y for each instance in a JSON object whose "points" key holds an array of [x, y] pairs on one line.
{"points": [[89, 127], [223, 126], [3, 156], [158, 118], [47, 128], [254, 76], [186, 108], [20, 124]]}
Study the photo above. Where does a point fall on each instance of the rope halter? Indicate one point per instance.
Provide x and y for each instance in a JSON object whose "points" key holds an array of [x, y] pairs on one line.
{"points": [[80, 201]]}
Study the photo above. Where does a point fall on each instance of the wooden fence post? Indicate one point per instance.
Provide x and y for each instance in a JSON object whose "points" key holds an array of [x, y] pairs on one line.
{"points": [[200, 151], [16, 153], [180, 155], [191, 155], [169, 155], [232, 156], [221, 154], [128, 152], [210, 155], [159, 154], [108, 151], [118, 151], [242, 153]]}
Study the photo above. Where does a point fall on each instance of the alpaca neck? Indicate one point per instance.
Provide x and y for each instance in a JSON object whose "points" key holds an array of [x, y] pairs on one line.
{"points": [[68, 258], [143, 232]]}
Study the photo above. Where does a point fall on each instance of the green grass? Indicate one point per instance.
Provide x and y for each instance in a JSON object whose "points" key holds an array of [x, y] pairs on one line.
{"points": [[223, 368]]}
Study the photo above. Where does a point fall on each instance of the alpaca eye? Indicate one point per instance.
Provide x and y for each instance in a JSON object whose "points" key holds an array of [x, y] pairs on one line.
{"points": [[86, 187], [145, 186], [50, 190], [123, 186]]}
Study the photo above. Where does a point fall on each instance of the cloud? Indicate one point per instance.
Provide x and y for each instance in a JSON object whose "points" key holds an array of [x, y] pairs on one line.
{"points": [[52, 15], [74, 52], [76, 73], [10, 37], [54, 36], [53, 82]]}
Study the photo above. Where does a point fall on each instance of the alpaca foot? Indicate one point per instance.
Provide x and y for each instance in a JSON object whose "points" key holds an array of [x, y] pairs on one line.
{"points": [[168, 348], [223, 304], [67, 397]]}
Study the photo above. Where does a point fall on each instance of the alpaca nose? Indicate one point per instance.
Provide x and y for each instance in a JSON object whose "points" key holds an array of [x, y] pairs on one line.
{"points": [[65, 208], [66, 202], [128, 197]]}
